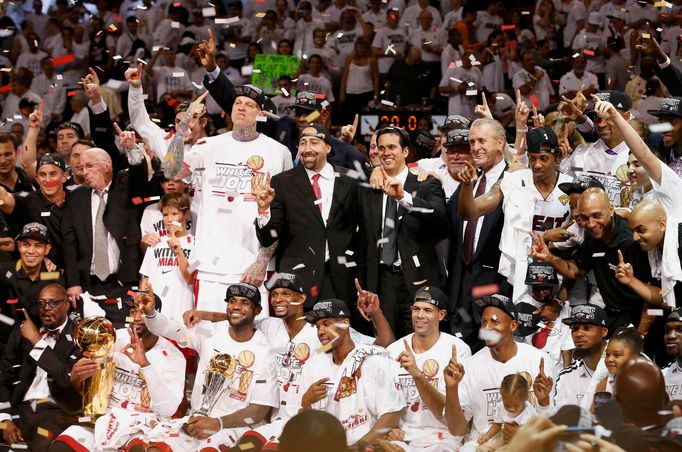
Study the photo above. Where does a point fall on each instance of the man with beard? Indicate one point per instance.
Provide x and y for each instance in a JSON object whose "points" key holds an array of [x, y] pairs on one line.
{"points": [[148, 386], [35, 389], [45, 206], [588, 330], [355, 383], [68, 134], [296, 341], [671, 147], [478, 392], [310, 208], [423, 356], [250, 394]]}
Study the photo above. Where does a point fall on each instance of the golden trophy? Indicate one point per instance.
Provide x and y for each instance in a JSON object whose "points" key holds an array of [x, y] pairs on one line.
{"points": [[217, 377], [96, 336]]}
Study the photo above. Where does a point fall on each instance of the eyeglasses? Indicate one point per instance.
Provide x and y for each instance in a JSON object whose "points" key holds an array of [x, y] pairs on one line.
{"points": [[51, 303]]}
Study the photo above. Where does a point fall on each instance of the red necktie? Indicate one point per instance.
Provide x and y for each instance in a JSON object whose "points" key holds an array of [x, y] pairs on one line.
{"points": [[540, 338], [317, 191], [470, 231]]}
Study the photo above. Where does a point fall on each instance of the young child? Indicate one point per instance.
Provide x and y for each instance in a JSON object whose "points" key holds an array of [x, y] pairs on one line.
{"points": [[513, 409], [625, 344], [166, 265]]}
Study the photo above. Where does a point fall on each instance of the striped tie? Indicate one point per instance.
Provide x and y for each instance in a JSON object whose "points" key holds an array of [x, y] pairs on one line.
{"points": [[101, 248]]}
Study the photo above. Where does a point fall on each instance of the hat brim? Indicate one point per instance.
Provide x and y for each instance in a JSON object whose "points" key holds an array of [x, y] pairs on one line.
{"points": [[570, 188], [32, 236], [572, 321], [659, 113], [482, 304], [319, 314], [303, 107]]}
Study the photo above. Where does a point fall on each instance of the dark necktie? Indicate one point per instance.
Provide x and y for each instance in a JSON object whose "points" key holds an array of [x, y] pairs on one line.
{"points": [[388, 249], [317, 191], [540, 338], [470, 231], [611, 152]]}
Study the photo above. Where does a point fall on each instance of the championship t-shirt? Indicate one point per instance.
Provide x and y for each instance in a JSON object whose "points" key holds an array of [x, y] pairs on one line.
{"points": [[226, 242], [160, 265], [418, 421], [672, 374], [479, 390]]}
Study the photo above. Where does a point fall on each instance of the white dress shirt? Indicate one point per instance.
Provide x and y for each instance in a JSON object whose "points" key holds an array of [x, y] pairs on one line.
{"points": [[326, 183], [491, 177], [39, 389], [112, 247], [406, 202]]}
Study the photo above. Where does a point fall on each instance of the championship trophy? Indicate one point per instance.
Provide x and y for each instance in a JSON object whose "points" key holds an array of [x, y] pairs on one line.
{"points": [[217, 377], [96, 336]]}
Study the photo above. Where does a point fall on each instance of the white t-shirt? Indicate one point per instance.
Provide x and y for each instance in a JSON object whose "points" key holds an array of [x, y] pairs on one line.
{"points": [[397, 39], [160, 265], [541, 91], [435, 36], [461, 104], [610, 168], [417, 421], [152, 221], [575, 11], [485, 23], [319, 84], [375, 393], [672, 374], [552, 212], [226, 242], [343, 41], [138, 390], [479, 390], [254, 373], [570, 81], [169, 79], [522, 418]]}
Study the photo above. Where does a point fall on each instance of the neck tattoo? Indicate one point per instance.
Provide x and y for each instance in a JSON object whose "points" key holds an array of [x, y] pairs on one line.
{"points": [[246, 133]]}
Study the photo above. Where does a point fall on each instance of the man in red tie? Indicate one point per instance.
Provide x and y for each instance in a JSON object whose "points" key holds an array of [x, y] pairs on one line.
{"points": [[311, 212]]}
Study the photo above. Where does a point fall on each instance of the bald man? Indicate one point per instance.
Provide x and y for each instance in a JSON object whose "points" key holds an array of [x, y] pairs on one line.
{"points": [[639, 389], [608, 244], [101, 234]]}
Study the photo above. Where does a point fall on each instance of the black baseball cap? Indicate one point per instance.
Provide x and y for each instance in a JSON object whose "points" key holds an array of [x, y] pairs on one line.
{"points": [[321, 132], [497, 301], [528, 321], [456, 122], [619, 99], [590, 314], [671, 106], [540, 274], [431, 295], [675, 316], [580, 184], [51, 159], [245, 290], [35, 231], [539, 136], [286, 281], [422, 142], [307, 100], [72, 125], [458, 137], [330, 308], [252, 92]]}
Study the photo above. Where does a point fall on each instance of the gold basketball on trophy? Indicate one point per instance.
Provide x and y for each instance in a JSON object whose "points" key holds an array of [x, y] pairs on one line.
{"points": [[430, 368], [246, 358], [255, 162], [223, 364], [96, 336]]}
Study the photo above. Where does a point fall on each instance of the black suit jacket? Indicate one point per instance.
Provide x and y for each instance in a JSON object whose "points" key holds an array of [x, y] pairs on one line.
{"points": [[296, 222], [17, 365], [418, 233], [486, 259], [121, 219]]}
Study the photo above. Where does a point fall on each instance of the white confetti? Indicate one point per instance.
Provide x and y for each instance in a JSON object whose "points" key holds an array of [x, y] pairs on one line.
{"points": [[178, 74], [661, 127], [175, 24], [654, 312], [208, 12], [6, 320], [298, 267], [416, 261]]}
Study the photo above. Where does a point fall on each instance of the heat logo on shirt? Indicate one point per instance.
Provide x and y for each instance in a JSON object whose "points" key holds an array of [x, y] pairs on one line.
{"points": [[129, 391], [166, 257], [290, 365], [355, 421], [243, 375]]}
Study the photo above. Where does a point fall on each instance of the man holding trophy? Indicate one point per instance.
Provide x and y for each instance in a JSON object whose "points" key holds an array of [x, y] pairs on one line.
{"points": [[36, 395], [147, 384], [233, 166], [236, 379]]}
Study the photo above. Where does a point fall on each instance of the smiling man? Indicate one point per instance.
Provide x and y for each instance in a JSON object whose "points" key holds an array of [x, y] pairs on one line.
{"points": [[399, 230], [355, 383], [672, 373], [250, 391], [313, 207], [531, 200], [45, 206]]}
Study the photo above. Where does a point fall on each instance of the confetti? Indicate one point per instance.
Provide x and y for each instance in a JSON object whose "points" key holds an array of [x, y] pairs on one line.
{"points": [[387, 102], [661, 127], [484, 290], [416, 261], [655, 312], [64, 59], [178, 74], [208, 12], [312, 116], [420, 283], [48, 276], [508, 27], [175, 24], [588, 52], [471, 92], [43, 432]]}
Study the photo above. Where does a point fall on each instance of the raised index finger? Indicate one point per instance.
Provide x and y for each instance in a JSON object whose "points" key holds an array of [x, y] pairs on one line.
{"points": [[454, 353], [407, 346], [485, 101], [117, 129], [355, 122], [518, 96], [542, 366], [620, 258], [358, 286], [211, 40], [201, 97]]}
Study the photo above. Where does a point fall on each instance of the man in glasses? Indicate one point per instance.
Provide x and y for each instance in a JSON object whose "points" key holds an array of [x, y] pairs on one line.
{"points": [[101, 235], [35, 388], [22, 280], [45, 206]]}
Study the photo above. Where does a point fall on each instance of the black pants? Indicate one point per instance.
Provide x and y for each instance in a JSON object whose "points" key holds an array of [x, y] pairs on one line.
{"points": [[46, 416], [396, 302]]}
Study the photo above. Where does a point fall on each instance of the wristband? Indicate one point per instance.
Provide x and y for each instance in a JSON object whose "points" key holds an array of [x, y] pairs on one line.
{"points": [[524, 130], [151, 316], [220, 419]]}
